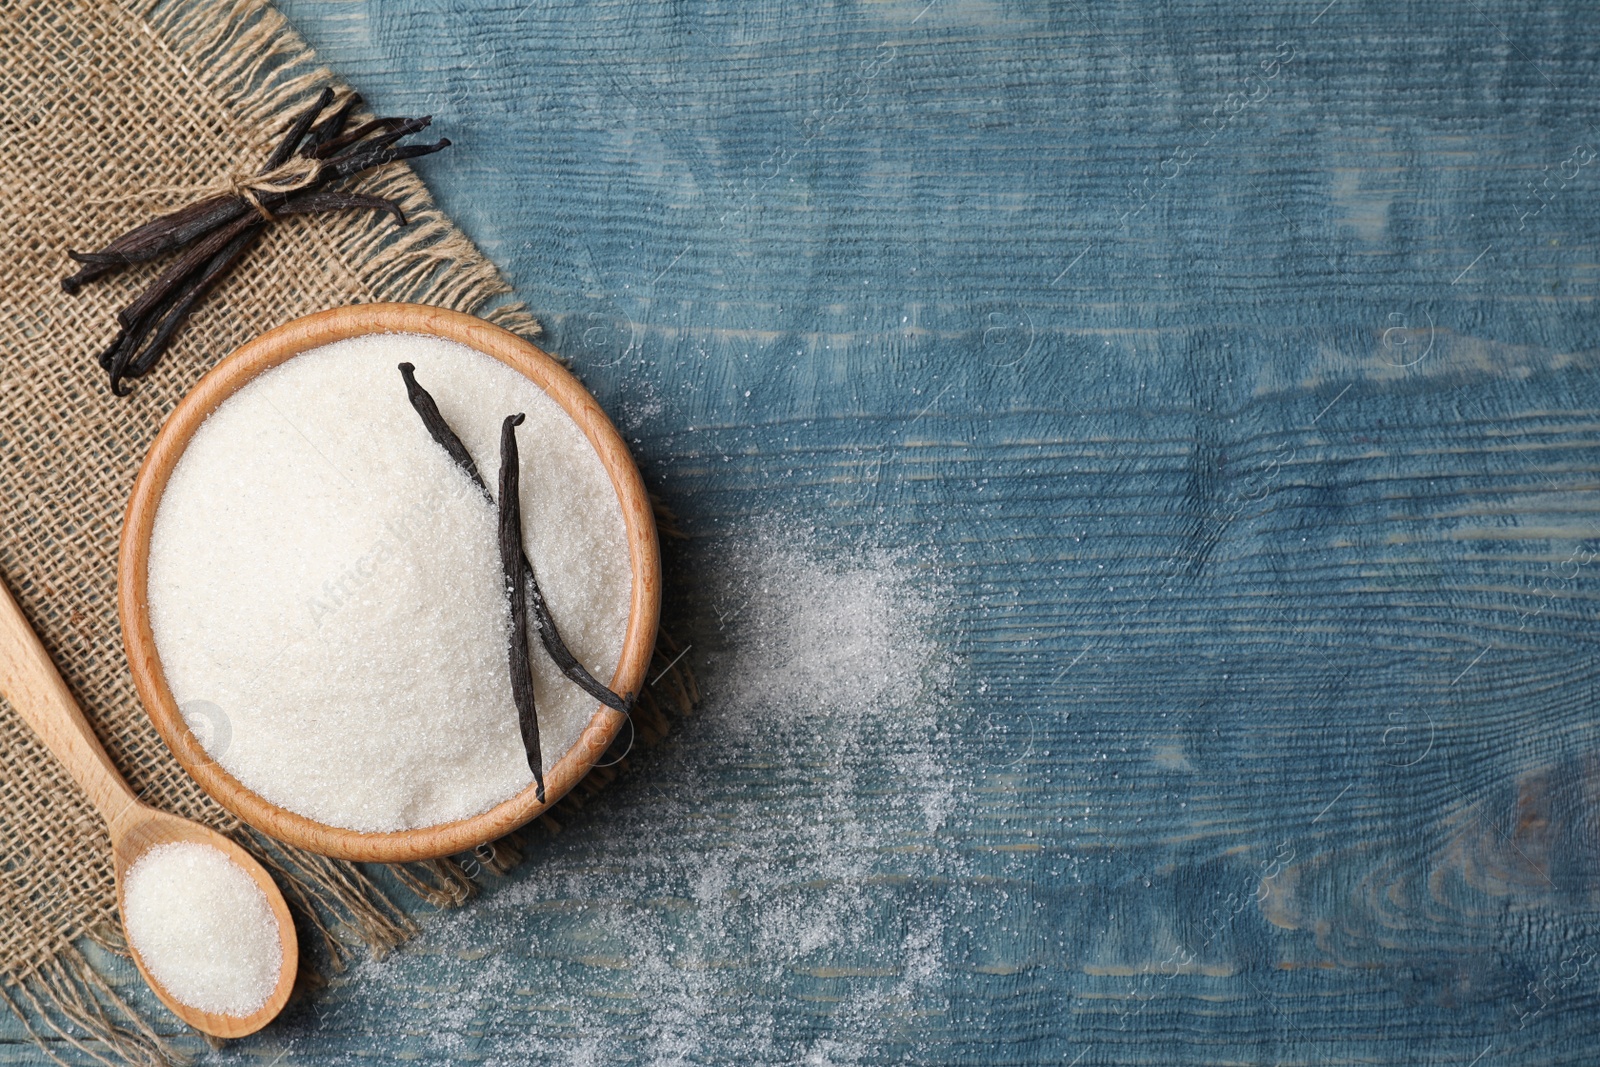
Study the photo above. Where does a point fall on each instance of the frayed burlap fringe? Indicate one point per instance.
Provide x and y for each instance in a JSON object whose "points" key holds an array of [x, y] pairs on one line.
{"points": [[76, 1007], [98, 97]]}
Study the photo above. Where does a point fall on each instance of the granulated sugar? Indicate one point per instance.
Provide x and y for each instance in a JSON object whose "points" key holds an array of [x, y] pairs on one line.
{"points": [[203, 928], [774, 884], [836, 640], [326, 592]]}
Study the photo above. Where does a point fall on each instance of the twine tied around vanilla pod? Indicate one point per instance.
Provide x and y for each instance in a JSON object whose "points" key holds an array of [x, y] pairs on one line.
{"points": [[217, 229], [254, 188], [301, 172]]}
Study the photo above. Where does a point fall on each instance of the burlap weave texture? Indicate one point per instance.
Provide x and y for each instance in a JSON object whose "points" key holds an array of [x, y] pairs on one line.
{"points": [[99, 101]]}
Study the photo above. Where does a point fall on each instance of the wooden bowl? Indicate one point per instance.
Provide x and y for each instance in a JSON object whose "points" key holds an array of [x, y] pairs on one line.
{"points": [[226, 378]]}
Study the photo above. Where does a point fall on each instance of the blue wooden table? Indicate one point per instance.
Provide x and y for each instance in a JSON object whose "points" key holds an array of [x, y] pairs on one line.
{"points": [[1213, 387]]}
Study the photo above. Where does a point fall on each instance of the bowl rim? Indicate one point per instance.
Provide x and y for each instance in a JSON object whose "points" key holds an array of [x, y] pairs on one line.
{"points": [[270, 350]]}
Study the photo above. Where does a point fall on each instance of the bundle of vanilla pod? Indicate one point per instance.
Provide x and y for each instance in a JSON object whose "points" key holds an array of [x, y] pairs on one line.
{"points": [[300, 177]]}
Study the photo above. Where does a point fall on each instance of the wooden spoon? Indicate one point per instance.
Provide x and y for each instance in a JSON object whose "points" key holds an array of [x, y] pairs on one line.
{"points": [[33, 686]]}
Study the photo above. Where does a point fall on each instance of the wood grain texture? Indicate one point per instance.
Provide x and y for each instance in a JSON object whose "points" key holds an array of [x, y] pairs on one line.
{"points": [[30, 682], [133, 570], [1231, 368]]}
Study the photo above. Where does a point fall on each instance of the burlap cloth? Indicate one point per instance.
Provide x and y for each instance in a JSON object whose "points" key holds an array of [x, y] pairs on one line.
{"points": [[99, 100]]}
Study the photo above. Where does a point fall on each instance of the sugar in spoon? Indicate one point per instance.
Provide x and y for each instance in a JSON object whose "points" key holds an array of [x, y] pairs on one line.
{"points": [[33, 686]]}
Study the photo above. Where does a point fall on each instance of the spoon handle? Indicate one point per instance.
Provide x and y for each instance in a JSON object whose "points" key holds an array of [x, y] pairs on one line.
{"points": [[32, 685]]}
